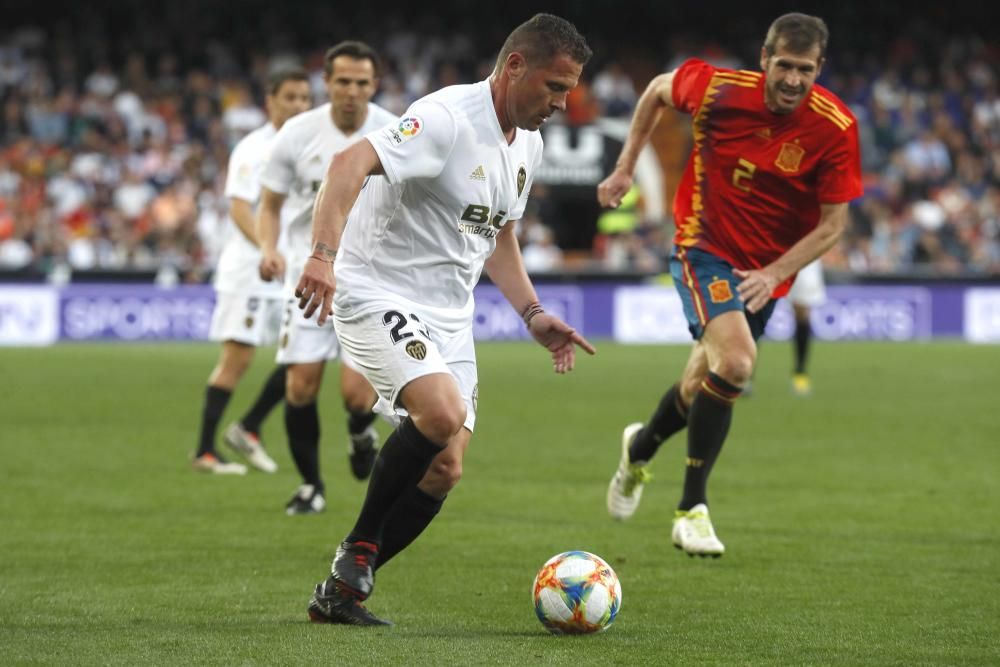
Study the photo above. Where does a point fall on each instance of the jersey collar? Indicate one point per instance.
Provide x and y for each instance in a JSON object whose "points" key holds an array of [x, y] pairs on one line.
{"points": [[484, 91]]}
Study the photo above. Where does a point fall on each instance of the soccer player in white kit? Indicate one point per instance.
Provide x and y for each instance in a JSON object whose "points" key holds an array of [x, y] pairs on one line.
{"points": [[457, 171], [808, 292], [247, 309], [301, 152]]}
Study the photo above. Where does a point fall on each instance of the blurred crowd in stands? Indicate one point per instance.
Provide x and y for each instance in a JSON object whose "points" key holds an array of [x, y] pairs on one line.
{"points": [[113, 160]]}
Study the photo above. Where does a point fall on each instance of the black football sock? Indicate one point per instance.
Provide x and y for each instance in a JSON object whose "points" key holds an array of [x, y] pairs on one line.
{"points": [[272, 393], [357, 422], [410, 515], [709, 418], [216, 399], [803, 333], [302, 426], [401, 462], [671, 416]]}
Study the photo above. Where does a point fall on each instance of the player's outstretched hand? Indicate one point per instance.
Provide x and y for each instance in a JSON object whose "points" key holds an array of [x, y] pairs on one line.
{"points": [[315, 289], [756, 287], [560, 339], [613, 188]]}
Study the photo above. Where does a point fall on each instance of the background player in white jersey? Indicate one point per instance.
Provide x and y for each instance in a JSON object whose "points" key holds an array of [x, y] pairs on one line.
{"points": [[808, 292], [299, 158], [247, 309], [458, 168]]}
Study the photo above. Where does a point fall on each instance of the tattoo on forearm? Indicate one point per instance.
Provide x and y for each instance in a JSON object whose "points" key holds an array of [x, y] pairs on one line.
{"points": [[320, 247]]}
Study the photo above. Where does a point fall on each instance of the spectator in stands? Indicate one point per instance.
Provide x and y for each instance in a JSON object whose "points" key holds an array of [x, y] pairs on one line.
{"points": [[74, 119], [538, 246], [614, 91]]}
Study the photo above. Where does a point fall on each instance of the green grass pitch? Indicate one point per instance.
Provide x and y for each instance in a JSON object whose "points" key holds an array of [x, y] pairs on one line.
{"points": [[862, 524]]}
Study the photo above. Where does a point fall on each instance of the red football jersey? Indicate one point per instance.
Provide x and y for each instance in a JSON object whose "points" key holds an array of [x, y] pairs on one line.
{"points": [[755, 180]]}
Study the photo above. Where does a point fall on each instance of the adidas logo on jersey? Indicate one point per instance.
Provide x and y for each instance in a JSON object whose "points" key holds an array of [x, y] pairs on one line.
{"points": [[478, 174]]}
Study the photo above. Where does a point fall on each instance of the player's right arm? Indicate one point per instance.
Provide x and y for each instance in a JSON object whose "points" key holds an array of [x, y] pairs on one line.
{"points": [[241, 211], [657, 96], [344, 178], [277, 181], [416, 147], [243, 185], [268, 228]]}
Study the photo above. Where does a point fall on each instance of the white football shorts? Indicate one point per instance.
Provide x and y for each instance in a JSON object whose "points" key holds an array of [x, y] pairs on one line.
{"points": [[392, 346], [244, 318], [809, 288], [302, 341]]}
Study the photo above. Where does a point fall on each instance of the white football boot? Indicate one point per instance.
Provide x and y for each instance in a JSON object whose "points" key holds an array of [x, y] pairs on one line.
{"points": [[625, 489], [215, 464], [249, 446], [693, 533]]}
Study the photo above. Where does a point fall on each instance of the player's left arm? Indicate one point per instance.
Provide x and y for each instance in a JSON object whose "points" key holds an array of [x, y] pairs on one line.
{"points": [[506, 269], [757, 286]]}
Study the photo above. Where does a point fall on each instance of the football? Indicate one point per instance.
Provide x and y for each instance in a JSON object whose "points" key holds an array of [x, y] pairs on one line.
{"points": [[576, 593]]}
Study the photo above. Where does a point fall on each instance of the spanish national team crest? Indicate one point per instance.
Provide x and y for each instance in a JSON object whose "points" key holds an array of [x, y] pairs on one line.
{"points": [[719, 291], [790, 157], [416, 349], [522, 177], [248, 322]]}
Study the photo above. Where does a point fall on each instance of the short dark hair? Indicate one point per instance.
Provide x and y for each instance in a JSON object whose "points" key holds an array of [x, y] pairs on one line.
{"points": [[800, 31], [543, 37], [354, 49], [279, 77]]}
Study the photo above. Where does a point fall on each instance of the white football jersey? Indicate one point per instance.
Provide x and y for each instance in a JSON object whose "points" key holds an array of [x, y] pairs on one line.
{"points": [[301, 153], [238, 262], [451, 183]]}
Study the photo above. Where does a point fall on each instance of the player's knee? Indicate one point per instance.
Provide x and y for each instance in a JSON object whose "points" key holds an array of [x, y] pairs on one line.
{"points": [[301, 389], [441, 422], [230, 368], [357, 393], [736, 367], [237, 366], [359, 402]]}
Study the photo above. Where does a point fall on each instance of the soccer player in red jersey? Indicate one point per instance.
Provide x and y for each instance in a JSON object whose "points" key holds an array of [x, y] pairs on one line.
{"points": [[774, 165]]}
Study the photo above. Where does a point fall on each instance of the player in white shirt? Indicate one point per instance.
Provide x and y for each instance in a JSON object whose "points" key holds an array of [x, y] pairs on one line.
{"points": [[301, 152], [457, 171], [247, 309], [808, 292]]}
